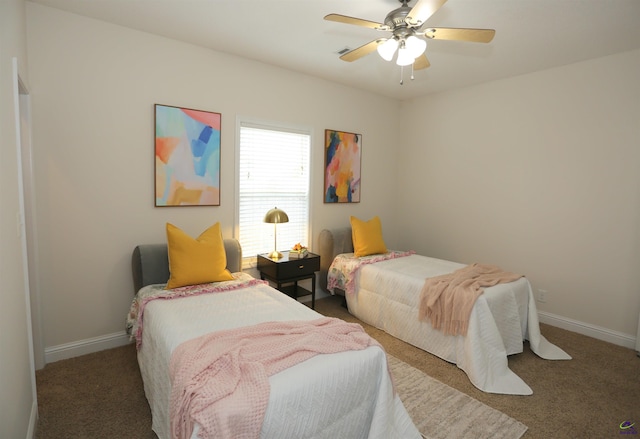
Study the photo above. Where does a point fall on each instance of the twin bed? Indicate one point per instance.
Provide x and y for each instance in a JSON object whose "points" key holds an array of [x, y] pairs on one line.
{"points": [[339, 386], [385, 292], [330, 395]]}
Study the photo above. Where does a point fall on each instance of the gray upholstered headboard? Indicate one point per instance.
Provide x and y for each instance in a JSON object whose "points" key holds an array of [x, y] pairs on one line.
{"points": [[332, 242], [150, 262]]}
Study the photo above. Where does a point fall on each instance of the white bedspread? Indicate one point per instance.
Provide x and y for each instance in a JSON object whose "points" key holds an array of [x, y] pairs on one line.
{"points": [[341, 395], [387, 296]]}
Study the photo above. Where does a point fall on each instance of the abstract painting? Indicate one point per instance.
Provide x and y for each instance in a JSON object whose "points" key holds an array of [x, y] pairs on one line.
{"points": [[342, 152], [187, 156]]}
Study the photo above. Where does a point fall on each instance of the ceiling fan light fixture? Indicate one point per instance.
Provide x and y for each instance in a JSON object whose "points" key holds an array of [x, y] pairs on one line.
{"points": [[404, 57], [416, 46], [387, 49], [408, 38]]}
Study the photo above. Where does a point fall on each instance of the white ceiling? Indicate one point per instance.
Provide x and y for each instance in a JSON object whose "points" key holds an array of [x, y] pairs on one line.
{"points": [[531, 35]]}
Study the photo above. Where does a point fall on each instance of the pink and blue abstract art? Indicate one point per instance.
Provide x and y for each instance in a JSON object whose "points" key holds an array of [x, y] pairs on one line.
{"points": [[187, 156]]}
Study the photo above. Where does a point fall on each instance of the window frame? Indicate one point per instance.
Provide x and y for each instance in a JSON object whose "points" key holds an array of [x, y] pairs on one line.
{"points": [[250, 261]]}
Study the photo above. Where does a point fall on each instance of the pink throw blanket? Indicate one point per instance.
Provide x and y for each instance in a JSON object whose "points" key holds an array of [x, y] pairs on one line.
{"points": [[221, 380], [447, 300]]}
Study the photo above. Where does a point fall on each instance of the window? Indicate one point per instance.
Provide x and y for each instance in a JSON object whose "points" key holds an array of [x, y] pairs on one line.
{"points": [[273, 171]]}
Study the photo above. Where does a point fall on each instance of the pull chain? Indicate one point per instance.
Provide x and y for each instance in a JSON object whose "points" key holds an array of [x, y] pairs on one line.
{"points": [[402, 74]]}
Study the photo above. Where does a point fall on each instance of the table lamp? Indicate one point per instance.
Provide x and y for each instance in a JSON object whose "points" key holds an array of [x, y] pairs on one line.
{"points": [[275, 216]]}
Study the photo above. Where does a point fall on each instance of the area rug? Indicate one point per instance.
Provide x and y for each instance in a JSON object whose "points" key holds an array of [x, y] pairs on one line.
{"points": [[440, 411]]}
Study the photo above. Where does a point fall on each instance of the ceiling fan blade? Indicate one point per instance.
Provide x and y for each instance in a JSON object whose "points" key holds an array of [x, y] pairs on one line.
{"points": [[357, 21], [422, 11], [361, 51], [421, 62], [460, 34]]}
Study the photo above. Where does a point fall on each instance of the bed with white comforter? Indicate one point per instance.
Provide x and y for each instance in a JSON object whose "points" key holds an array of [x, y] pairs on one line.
{"points": [[347, 394], [386, 294]]}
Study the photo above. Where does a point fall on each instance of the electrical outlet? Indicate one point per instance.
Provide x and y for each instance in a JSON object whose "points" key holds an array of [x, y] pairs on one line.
{"points": [[542, 296]]}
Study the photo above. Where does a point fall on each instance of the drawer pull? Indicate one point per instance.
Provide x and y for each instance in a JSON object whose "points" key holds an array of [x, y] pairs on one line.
{"points": [[301, 267]]}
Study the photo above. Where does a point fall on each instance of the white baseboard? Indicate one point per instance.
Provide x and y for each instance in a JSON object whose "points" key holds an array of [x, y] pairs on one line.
{"points": [[87, 346], [597, 332], [96, 344], [33, 421]]}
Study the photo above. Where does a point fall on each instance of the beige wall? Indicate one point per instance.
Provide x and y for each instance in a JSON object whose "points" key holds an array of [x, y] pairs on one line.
{"points": [[534, 173], [18, 405], [94, 86], [539, 174]]}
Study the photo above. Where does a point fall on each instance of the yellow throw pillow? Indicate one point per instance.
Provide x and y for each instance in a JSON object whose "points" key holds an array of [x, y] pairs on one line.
{"points": [[367, 236], [196, 261]]}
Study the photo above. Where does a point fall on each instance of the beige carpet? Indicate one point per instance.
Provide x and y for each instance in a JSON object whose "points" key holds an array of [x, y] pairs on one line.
{"points": [[100, 395], [587, 397], [441, 412]]}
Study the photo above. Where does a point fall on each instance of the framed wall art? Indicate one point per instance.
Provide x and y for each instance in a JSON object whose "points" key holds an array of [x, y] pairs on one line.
{"points": [[342, 155], [187, 157]]}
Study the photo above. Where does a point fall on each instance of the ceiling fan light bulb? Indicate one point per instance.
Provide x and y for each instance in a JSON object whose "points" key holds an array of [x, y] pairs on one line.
{"points": [[404, 57], [416, 46], [387, 49]]}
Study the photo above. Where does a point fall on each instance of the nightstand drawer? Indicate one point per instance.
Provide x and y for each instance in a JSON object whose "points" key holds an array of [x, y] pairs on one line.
{"points": [[286, 268], [298, 267]]}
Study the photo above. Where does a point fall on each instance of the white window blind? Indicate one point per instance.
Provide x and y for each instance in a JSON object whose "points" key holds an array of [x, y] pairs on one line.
{"points": [[273, 172]]}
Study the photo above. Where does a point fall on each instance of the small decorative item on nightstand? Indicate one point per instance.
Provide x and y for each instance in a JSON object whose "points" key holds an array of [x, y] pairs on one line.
{"points": [[298, 252]]}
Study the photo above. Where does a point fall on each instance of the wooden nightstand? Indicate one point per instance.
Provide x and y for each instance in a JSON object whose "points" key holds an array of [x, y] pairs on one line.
{"points": [[290, 271]]}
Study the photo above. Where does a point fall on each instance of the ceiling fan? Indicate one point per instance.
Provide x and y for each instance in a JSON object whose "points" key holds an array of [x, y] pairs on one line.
{"points": [[405, 24]]}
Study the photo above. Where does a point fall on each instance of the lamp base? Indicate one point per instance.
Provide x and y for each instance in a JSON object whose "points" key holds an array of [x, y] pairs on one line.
{"points": [[275, 255]]}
